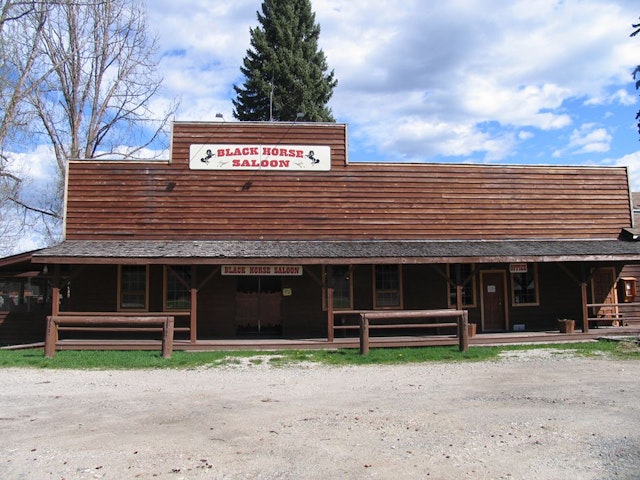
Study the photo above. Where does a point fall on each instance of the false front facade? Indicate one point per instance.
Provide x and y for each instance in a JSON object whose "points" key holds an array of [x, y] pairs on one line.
{"points": [[266, 229]]}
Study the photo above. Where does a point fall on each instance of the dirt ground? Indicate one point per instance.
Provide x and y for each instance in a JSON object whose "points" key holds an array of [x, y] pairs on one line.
{"points": [[530, 415]]}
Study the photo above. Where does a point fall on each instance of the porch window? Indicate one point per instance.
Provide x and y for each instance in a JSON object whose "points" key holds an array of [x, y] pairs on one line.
{"points": [[133, 285], [387, 286], [524, 286], [177, 286], [339, 278], [464, 270], [23, 295]]}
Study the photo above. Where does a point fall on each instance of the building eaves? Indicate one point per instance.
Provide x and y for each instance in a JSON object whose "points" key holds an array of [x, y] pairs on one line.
{"points": [[308, 252]]}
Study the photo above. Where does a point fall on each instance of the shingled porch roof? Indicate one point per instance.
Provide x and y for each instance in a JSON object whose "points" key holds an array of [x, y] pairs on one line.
{"points": [[337, 252]]}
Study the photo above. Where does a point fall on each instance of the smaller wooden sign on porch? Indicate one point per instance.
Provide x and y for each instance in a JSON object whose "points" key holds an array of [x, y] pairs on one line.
{"points": [[263, 270]]}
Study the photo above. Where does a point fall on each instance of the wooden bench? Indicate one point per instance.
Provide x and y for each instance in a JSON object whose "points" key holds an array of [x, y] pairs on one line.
{"points": [[367, 316], [615, 320], [109, 322]]}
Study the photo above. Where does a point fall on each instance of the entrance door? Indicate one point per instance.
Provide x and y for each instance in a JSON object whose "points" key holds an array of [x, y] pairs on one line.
{"points": [[258, 305], [603, 291], [494, 314]]}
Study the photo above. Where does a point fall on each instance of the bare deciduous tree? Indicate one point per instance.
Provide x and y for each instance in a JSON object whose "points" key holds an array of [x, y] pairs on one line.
{"points": [[87, 74], [636, 71], [14, 87]]}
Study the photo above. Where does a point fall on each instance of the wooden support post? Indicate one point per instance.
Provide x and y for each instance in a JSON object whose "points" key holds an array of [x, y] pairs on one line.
{"points": [[459, 296], [364, 335], [585, 309], [51, 338], [463, 331], [193, 317], [330, 319], [55, 301], [167, 337]]}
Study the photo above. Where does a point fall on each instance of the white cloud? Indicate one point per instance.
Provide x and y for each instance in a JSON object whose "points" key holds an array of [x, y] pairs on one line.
{"points": [[632, 162], [620, 96], [37, 164], [469, 80], [589, 139]]}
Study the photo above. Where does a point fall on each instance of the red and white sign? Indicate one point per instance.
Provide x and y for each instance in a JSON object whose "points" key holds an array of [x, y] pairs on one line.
{"points": [[265, 270], [518, 268], [259, 157]]}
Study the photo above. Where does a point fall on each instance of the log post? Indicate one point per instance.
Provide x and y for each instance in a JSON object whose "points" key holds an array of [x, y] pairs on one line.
{"points": [[193, 317], [364, 334], [585, 309], [459, 296], [51, 338], [330, 319], [55, 301], [463, 331], [167, 337]]}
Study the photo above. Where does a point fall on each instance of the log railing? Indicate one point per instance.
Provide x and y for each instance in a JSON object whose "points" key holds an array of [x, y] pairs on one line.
{"points": [[367, 317], [621, 314], [113, 322]]}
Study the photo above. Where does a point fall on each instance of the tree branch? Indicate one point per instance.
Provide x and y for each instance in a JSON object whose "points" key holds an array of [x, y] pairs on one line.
{"points": [[34, 209]]}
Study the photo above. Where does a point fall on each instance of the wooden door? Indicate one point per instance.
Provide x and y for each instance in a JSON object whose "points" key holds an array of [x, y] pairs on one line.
{"points": [[494, 313], [258, 309], [603, 291]]}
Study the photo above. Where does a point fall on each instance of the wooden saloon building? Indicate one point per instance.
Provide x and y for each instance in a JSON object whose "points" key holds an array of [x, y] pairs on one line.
{"points": [[267, 230]]}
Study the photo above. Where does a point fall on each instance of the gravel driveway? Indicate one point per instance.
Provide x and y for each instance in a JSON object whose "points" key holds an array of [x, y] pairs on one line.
{"points": [[530, 415]]}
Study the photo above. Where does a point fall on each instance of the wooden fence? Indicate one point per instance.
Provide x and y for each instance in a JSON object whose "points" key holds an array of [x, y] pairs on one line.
{"points": [[114, 322]]}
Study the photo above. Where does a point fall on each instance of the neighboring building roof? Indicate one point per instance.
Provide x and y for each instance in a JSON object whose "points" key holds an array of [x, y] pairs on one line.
{"points": [[18, 264], [308, 252]]}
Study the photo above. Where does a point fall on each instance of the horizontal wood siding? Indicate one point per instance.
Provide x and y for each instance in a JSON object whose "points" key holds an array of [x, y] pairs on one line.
{"points": [[131, 200]]}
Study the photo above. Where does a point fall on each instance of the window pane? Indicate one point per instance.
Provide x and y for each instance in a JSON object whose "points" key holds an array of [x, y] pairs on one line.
{"points": [[387, 284], [133, 286], [468, 297], [23, 295], [341, 282], [178, 287], [524, 286]]}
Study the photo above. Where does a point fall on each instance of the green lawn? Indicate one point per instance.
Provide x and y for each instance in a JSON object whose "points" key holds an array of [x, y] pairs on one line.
{"points": [[87, 359]]}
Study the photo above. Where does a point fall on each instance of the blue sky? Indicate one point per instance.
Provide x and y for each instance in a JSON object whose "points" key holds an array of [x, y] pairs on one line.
{"points": [[484, 81], [491, 81]]}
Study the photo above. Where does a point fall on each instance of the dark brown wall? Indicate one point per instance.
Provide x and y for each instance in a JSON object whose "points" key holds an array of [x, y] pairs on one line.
{"points": [[560, 297], [302, 312], [130, 200], [216, 305], [94, 288], [22, 328]]}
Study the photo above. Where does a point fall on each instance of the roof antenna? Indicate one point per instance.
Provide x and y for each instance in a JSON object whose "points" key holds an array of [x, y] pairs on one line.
{"points": [[271, 101]]}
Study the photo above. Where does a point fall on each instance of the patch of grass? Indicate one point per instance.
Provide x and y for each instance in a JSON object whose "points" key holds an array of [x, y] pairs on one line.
{"points": [[99, 359], [117, 360]]}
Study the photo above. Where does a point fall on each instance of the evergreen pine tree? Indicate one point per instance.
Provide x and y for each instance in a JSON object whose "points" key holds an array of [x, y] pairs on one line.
{"points": [[285, 71]]}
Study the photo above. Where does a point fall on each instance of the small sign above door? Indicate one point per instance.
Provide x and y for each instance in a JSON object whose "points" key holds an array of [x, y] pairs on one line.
{"points": [[263, 270], [518, 268]]}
